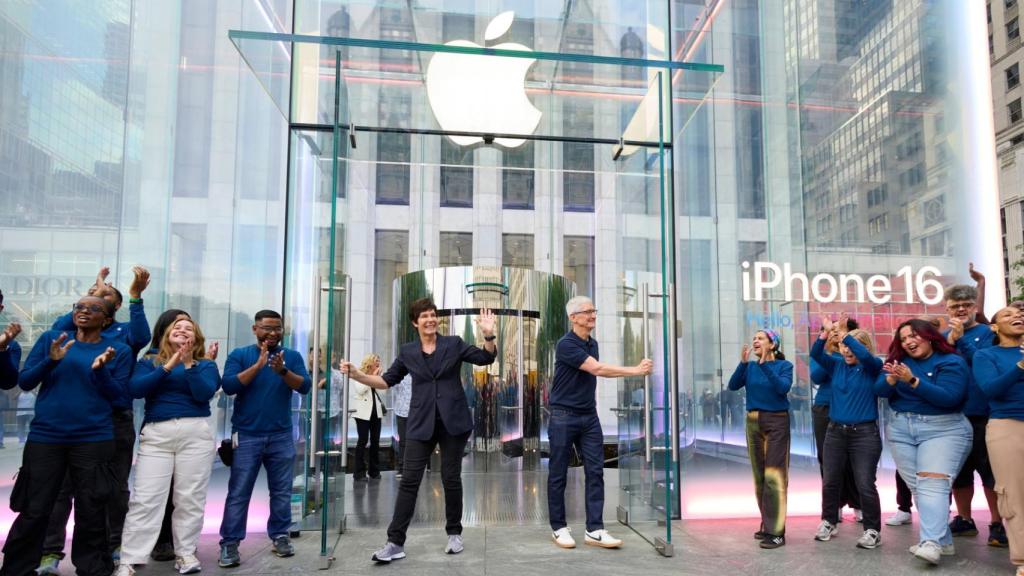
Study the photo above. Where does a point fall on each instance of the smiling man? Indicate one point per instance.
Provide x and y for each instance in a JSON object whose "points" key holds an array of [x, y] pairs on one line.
{"points": [[574, 422]]}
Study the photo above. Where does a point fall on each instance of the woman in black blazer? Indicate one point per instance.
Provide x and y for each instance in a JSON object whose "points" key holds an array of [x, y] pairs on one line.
{"points": [[438, 415]]}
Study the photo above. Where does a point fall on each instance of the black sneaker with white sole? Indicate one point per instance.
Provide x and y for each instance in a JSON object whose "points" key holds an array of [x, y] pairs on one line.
{"points": [[772, 541]]}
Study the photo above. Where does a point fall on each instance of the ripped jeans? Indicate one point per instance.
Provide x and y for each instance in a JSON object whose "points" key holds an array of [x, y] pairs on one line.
{"points": [[923, 443]]}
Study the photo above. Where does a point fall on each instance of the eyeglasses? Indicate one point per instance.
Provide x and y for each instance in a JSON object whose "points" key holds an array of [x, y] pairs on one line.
{"points": [[587, 312], [960, 306], [94, 308], [277, 329]]}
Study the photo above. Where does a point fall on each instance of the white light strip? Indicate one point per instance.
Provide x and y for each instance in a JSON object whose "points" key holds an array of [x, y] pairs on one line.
{"points": [[979, 193]]}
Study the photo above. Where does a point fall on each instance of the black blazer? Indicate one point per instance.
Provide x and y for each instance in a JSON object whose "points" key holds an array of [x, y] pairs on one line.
{"points": [[437, 392]]}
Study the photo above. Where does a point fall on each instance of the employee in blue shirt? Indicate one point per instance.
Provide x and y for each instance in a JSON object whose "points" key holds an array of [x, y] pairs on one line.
{"points": [[999, 371], [925, 381], [80, 375], [262, 377], [10, 353], [852, 439], [768, 376]]}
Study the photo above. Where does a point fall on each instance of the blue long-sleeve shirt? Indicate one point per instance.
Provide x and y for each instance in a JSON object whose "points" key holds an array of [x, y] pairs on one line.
{"points": [[135, 333], [767, 384], [264, 406], [823, 378], [180, 393], [853, 392], [10, 359], [974, 339], [942, 386], [74, 402], [997, 374]]}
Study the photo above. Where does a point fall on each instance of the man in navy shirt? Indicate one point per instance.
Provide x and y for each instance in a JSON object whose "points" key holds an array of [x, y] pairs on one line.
{"points": [[574, 422], [262, 377]]}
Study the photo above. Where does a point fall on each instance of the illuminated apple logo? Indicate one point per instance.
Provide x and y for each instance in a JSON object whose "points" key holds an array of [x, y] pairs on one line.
{"points": [[480, 93]]}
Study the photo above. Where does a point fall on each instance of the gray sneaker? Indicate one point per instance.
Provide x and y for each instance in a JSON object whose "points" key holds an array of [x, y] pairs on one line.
{"points": [[389, 552], [283, 547], [945, 550], [229, 557], [869, 540], [826, 530], [928, 551], [454, 544]]}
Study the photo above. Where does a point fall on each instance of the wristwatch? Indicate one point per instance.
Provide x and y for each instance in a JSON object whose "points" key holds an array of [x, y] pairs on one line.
{"points": [[283, 371]]}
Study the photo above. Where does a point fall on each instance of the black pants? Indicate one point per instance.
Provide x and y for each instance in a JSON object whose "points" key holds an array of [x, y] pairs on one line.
{"points": [[166, 536], [859, 447], [45, 467], [848, 493], [904, 498], [368, 430], [400, 460], [117, 505], [416, 458], [768, 443]]}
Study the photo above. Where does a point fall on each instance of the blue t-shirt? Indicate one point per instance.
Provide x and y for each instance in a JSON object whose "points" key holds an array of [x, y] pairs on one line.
{"points": [[767, 384], [572, 388], [997, 374], [264, 406], [74, 402], [975, 338], [10, 360], [942, 386], [179, 393], [853, 393]]}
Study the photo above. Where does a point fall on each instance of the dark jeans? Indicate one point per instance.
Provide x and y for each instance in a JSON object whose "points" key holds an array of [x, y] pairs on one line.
{"points": [[117, 505], [45, 466], [400, 460], [275, 452], [857, 446], [368, 430], [848, 494], [768, 443], [583, 430], [904, 498], [451, 477]]}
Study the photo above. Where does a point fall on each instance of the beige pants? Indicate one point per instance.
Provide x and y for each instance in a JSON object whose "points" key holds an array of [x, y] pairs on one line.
{"points": [[1003, 437], [181, 449]]}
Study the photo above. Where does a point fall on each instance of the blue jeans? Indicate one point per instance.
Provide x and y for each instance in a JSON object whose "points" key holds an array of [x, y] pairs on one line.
{"points": [[276, 452], [584, 431], [925, 443]]}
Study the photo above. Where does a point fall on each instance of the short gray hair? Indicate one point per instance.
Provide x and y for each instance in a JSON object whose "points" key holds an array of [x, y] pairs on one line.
{"points": [[961, 292], [574, 304]]}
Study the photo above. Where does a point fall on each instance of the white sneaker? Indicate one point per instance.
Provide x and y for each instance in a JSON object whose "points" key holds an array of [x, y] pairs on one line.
{"points": [[869, 540], [899, 518], [602, 538], [187, 564], [946, 550], [826, 530], [928, 551], [563, 538], [124, 569]]}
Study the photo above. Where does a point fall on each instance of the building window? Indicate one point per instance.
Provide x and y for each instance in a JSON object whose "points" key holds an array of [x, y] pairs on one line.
{"points": [[390, 261], [517, 178], [1012, 30], [394, 152], [1015, 112], [456, 249], [456, 175], [517, 251], [1010, 4], [1013, 76], [579, 263], [578, 159]]}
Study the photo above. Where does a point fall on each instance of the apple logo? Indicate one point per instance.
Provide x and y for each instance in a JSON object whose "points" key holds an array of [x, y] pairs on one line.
{"points": [[481, 93]]}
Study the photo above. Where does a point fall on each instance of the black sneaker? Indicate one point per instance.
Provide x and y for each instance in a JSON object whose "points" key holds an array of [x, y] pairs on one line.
{"points": [[759, 535], [963, 527], [997, 535], [770, 541], [283, 547], [163, 552]]}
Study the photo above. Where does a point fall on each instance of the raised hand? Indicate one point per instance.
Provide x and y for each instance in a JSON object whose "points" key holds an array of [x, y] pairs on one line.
{"points": [[843, 326], [827, 325], [174, 360], [262, 360], [977, 276], [745, 353], [58, 349], [9, 334], [277, 363], [486, 321], [139, 282], [103, 358], [185, 353], [956, 330], [767, 355], [212, 350]]}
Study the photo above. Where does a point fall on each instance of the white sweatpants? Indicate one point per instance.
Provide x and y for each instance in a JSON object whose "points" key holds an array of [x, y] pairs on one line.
{"points": [[181, 449]]}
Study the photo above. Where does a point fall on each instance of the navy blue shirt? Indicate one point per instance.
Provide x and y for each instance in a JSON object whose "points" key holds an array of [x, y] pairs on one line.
{"points": [[942, 386], [74, 402], [823, 378], [179, 393], [572, 388], [10, 360], [975, 338], [264, 406], [135, 333], [997, 374], [853, 392], [767, 384]]}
